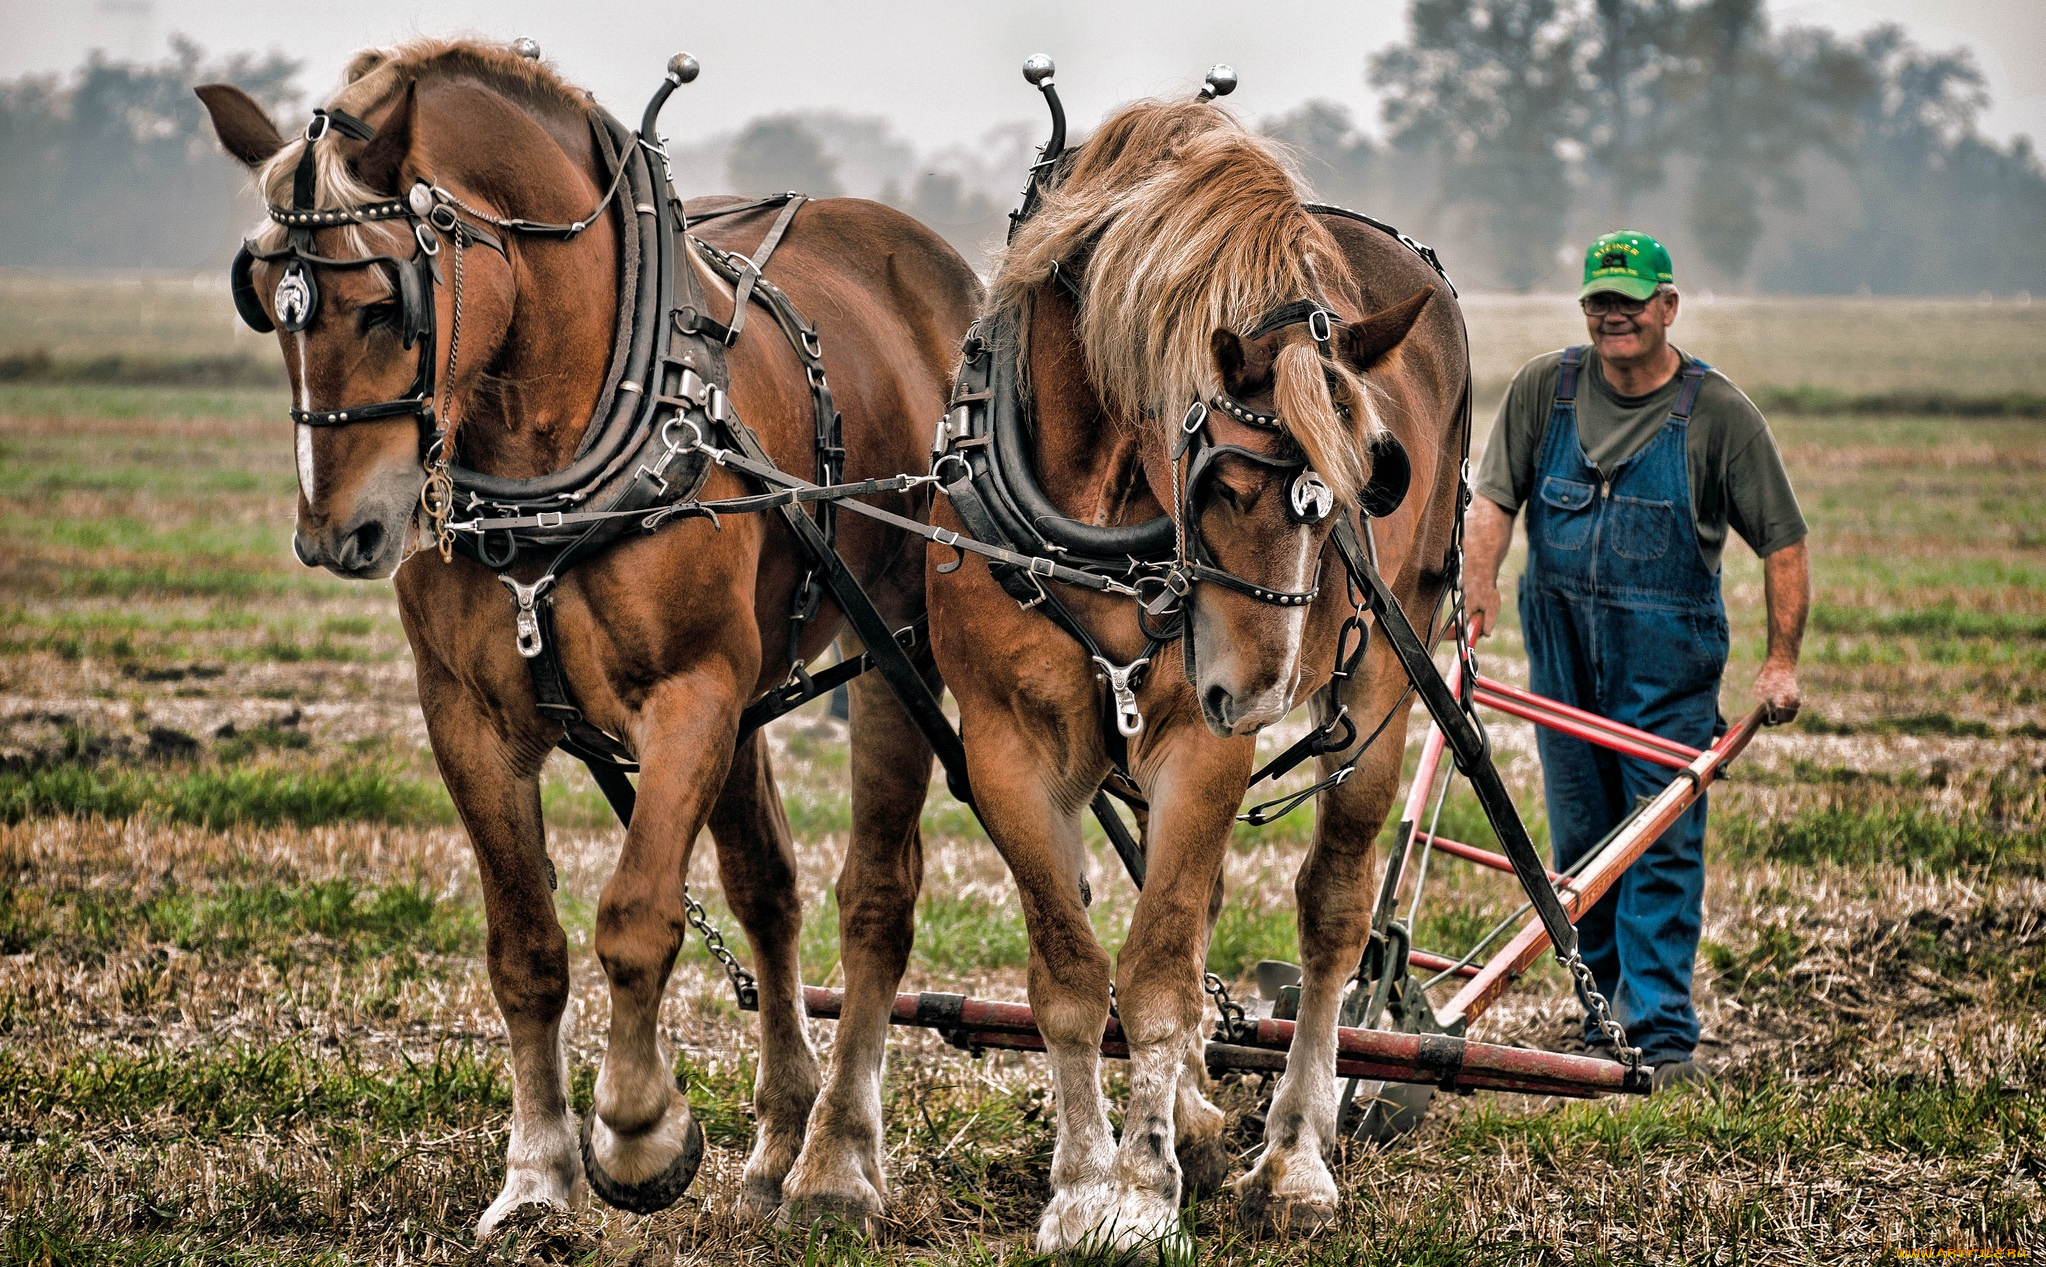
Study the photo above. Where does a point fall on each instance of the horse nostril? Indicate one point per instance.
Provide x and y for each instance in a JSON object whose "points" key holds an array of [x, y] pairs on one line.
{"points": [[1215, 702], [363, 545]]}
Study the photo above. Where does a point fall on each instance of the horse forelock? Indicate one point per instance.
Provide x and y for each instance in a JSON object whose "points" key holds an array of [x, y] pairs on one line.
{"points": [[1189, 223]]}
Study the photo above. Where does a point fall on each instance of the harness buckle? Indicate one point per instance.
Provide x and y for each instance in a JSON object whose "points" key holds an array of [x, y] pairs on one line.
{"points": [[526, 596], [1122, 684], [548, 518], [1320, 329], [692, 386]]}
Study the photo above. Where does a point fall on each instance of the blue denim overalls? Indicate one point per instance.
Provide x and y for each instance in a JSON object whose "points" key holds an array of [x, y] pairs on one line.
{"points": [[1623, 618]]}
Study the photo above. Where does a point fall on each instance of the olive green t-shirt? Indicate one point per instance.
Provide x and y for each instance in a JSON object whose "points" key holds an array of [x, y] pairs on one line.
{"points": [[1737, 475]]}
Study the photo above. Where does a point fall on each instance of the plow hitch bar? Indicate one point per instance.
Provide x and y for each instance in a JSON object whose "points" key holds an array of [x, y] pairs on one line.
{"points": [[1439, 1060]]}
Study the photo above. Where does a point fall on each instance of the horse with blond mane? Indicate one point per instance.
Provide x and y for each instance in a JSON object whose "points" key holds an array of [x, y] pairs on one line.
{"points": [[1212, 376], [509, 311]]}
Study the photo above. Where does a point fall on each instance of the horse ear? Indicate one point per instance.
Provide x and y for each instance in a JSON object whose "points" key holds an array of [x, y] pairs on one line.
{"points": [[377, 165], [240, 123], [1227, 349], [1367, 342], [1240, 366]]}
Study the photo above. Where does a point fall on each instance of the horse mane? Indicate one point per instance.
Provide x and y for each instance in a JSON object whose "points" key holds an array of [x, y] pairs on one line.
{"points": [[373, 77], [1187, 222]]}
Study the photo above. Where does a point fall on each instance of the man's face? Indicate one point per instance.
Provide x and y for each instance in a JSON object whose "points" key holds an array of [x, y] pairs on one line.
{"points": [[1629, 331]]}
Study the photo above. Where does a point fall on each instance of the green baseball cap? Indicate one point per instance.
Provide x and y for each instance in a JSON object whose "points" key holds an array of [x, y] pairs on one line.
{"points": [[1631, 263]]}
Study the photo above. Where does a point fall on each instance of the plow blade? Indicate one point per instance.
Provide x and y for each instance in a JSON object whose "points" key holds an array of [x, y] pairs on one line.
{"points": [[1454, 1064]]}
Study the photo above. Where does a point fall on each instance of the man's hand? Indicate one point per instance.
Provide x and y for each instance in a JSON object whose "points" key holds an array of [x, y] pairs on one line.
{"points": [[1787, 588], [1487, 530], [1776, 687], [1481, 604]]}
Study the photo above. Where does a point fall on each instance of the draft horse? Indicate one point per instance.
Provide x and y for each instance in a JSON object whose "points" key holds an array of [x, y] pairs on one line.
{"points": [[1209, 377], [465, 263]]}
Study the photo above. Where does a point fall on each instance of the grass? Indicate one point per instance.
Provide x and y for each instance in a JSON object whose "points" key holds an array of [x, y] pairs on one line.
{"points": [[225, 797], [242, 1087], [267, 920], [244, 1015]]}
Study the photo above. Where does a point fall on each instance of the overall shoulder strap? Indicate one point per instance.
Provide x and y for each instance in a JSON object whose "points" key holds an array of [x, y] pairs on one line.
{"points": [[1566, 374], [1687, 395]]}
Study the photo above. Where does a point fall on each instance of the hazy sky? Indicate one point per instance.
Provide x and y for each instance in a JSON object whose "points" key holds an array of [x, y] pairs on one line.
{"points": [[945, 71]]}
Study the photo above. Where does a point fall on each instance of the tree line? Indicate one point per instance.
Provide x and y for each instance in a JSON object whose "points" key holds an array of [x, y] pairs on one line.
{"points": [[1775, 160], [1512, 131]]}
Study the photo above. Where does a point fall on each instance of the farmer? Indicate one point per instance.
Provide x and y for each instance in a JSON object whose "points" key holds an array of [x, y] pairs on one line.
{"points": [[1633, 459]]}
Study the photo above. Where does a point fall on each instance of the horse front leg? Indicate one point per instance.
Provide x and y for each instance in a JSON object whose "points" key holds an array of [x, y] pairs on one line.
{"points": [[1197, 1123], [496, 788], [840, 1176], [1032, 811], [757, 868], [1291, 1189], [641, 1144], [1194, 784]]}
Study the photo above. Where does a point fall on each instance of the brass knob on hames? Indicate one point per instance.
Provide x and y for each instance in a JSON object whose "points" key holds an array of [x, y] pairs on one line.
{"points": [[682, 68]]}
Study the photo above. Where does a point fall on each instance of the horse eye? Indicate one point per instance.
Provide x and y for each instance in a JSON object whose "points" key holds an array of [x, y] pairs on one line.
{"points": [[379, 314]]}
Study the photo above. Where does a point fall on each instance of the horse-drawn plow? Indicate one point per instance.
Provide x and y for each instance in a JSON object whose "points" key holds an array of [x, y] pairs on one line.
{"points": [[1425, 1049]]}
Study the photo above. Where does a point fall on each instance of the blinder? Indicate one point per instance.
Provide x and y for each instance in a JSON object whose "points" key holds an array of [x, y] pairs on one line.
{"points": [[1391, 473], [415, 299], [241, 280]]}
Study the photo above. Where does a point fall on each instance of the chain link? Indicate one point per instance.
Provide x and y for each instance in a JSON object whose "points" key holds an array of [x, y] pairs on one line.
{"points": [[1235, 1023], [744, 986], [437, 497], [1601, 1012]]}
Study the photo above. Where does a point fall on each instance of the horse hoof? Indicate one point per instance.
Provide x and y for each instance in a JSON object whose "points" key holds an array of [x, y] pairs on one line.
{"points": [[1203, 1168], [759, 1200], [649, 1196], [852, 1211], [1264, 1213]]}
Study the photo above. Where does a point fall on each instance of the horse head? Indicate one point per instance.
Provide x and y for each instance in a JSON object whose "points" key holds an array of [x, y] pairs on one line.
{"points": [[394, 300], [1218, 322]]}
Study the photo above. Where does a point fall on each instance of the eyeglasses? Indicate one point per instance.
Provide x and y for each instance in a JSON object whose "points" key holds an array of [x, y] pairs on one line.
{"points": [[1605, 301]]}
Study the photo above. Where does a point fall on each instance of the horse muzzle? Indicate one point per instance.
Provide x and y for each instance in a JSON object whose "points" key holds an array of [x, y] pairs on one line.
{"points": [[367, 548]]}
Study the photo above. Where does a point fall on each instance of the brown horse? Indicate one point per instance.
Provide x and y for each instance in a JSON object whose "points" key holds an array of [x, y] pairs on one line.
{"points": [[1135, 292], [663, 637]]}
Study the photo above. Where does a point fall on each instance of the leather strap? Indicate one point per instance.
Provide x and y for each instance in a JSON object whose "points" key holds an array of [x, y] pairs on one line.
{"points": [[873, 632], [742, 290]]}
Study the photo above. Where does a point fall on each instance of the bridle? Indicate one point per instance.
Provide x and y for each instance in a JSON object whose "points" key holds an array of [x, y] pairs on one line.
{"points": [[1309, 500], [433, 214]]}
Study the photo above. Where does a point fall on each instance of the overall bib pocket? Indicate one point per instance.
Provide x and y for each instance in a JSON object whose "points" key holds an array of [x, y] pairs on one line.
{"points": [[1568, 513], [1642, 529]]}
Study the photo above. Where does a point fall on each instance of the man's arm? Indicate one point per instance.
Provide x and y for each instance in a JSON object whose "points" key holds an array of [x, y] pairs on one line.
{"points": [[1787, 587], [1487, 531]]}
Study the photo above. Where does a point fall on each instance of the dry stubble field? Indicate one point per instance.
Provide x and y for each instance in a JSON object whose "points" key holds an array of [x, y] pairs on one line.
{"points": [[243, 1014]]}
